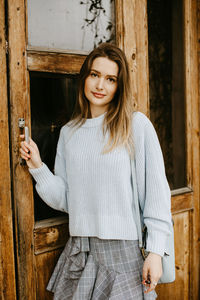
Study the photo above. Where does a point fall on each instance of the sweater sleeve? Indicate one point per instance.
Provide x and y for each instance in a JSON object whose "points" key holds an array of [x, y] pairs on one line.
{"points": [[53, 188], [153, 189]]}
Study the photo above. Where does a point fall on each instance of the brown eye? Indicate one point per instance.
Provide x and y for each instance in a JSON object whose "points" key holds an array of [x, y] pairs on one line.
{"points": [[92, 74], [112, 80]]}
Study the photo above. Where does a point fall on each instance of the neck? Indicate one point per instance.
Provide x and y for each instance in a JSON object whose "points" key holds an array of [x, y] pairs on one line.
{"points": [[96, 112]]}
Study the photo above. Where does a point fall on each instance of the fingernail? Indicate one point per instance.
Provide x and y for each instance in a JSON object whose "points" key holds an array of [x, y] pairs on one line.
{"points": [[148, 281]]}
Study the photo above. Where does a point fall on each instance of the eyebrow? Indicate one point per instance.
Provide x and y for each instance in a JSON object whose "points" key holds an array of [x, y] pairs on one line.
{"points": [[100, 73]]}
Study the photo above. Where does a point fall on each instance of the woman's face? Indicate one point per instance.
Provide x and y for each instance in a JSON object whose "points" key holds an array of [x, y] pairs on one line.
{"points": [[101, 84]]}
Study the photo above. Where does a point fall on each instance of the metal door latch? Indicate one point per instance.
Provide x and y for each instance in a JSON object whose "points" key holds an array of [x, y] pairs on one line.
{"points": [[21, 125]]}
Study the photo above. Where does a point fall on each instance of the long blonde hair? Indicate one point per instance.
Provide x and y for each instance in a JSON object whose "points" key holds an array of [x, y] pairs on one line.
{"points": [[118, 119]]}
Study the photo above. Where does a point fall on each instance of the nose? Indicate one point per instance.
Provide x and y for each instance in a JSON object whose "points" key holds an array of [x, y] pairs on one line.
{"points": [[100, 83]]}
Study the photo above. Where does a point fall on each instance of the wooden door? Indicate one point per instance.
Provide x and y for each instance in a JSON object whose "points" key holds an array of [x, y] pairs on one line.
{"points": [[173, 100], [41, 235]]}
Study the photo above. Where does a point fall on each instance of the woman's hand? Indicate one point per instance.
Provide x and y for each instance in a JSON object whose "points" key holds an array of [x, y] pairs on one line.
{"points": [[29, 152], [152, 270]]}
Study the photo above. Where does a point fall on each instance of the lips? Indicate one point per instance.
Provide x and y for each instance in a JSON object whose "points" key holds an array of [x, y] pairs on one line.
{"points": [[98, 95]]}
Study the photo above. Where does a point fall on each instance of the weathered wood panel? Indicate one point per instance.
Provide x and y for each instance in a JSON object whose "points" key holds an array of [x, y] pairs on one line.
{"points": [[50, 234], [192, 135], [198, 54], [131, 27], [22, 183], [179, 289], [45, 264], [182, 202], [119, 23], [55, 62], [198, 29], [7, 267], [130, 44], [141, 27]]}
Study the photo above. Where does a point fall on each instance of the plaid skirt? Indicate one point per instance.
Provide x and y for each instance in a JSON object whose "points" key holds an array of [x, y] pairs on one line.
{"points": [[95, 269]]}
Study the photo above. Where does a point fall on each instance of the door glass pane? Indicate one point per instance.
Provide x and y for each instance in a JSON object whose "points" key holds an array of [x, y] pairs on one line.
{"points": [[166, 80], [70, 25], [52, 103]]}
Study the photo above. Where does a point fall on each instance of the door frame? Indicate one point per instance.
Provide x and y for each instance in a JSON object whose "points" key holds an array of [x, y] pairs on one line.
{"points": [[7, 263], [192, 137], [22, 183]]}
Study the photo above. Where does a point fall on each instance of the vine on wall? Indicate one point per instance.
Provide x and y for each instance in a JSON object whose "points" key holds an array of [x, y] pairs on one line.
{"points": [[95, 11]]}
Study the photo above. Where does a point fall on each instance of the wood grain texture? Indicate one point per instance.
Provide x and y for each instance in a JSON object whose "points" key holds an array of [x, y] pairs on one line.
{"points": [[45, 264], [22, 183], [180, 288], [182, 202], [198, 57], [188, 85], [192, 135], [130, 45], [55, 62], [50, 236], [7, 267], [119, 23], [141, 28], [198, 27], [131, 36]]}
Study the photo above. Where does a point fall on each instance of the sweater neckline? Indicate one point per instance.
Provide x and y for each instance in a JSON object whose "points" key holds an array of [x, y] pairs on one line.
{"points": [[93, 122]]}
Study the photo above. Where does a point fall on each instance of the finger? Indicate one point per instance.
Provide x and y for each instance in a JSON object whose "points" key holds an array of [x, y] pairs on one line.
{"points": [[29, 147], [22, 144], [151, 287], [24, 157], [25, 149], [145, 274], [25, 154]]}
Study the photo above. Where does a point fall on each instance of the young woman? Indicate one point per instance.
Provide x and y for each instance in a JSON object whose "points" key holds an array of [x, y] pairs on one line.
{"points": [[92, 183]]}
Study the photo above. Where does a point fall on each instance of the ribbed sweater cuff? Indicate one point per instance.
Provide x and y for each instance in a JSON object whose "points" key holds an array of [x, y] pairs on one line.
{"points": [[42, 174], [156, 242]]}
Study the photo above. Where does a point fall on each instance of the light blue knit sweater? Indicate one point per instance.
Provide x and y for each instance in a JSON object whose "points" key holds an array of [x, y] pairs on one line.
{"points": [[95, 188]]}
